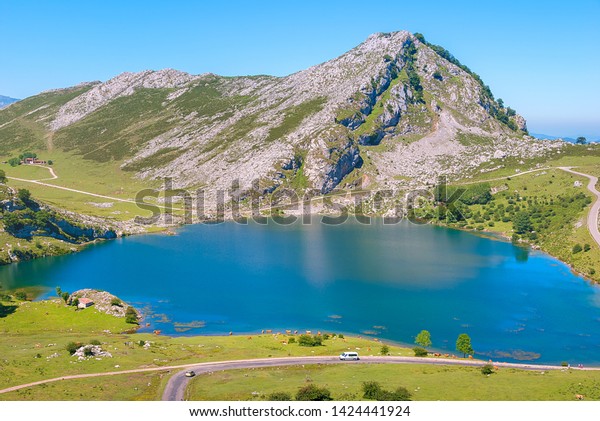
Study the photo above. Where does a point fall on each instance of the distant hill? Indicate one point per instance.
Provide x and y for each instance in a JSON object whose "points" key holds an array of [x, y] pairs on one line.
{"points": [[566, 139], [6, 100]]}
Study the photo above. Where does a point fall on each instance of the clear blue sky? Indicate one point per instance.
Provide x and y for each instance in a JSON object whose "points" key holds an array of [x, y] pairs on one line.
{"points": [[542, 58]]}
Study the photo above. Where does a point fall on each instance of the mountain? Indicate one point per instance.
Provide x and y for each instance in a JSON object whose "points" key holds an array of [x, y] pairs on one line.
{"points": [[395, 111], [6, 100]]}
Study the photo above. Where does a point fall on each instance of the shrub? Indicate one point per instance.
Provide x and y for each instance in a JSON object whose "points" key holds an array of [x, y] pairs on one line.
{"points": [[72, 347], [24, 195], [95, 342], [385, 350], [131, 316], [487, 369], [75, 302], [21, 295], [577, 248], [116, 302], [279, 396], [437, 75], [291, 340], [420, 352], [372, 390], [587, 247], [313, 393], [564, 364], [340, 335], [88, 352], [307, 340]]}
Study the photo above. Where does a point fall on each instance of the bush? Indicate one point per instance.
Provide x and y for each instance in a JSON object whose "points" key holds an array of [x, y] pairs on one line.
{"points": [[21, 295], [291, 340], [279, 396], [75, 302], [72, 347], [373, 391], [116, 302], [487, 369], [564, 364], [420, 352], [313, 393], [131, 316], [307, 340], [24, 195], [95, 342], [340, 335], [88, 352], [587, 247], [577, 248], [385, 350]]}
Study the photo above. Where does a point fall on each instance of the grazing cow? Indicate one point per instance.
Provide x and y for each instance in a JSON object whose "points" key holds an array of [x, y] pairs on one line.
{"points": [[288, 332], [308, 332], [268, 331], [579, 397], [249, 337]]}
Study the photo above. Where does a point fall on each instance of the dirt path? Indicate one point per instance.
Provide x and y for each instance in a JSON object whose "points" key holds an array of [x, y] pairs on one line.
{"points": [[509, 176]]}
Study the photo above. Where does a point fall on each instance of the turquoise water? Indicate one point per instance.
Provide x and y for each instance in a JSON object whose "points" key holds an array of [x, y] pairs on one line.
{"points": [[384, 281]]}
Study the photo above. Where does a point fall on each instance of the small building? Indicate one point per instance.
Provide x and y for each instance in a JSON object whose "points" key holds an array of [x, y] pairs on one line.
{"points": [[85, 303]]}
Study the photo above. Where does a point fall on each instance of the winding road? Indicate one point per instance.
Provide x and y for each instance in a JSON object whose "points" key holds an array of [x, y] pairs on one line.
{"points": [[176, 385], [593, 215]]}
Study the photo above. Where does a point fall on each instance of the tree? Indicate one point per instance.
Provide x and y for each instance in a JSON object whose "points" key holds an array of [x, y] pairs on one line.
{"points": [[313, 393], [500, 102], [522, 223], [13, 162], [577, 248], [423, 339], [587, 247], [50, 162], [385, 350], [65, 296], [2, 177], [581, 140], [463, 344]]}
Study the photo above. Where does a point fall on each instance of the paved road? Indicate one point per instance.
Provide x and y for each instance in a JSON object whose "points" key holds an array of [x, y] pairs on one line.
{"points": [[592, 220], [175, 389]]}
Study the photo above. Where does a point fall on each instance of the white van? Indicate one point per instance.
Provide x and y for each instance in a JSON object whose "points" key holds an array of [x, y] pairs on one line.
{"points": [[349, 356]]}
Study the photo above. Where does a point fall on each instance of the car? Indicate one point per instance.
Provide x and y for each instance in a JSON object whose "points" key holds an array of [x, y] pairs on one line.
{"points": [[349, 356], [190, 373]]}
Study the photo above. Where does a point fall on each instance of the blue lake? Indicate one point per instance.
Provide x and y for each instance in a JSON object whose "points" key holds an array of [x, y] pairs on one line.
{"points": [[372, 280]]}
